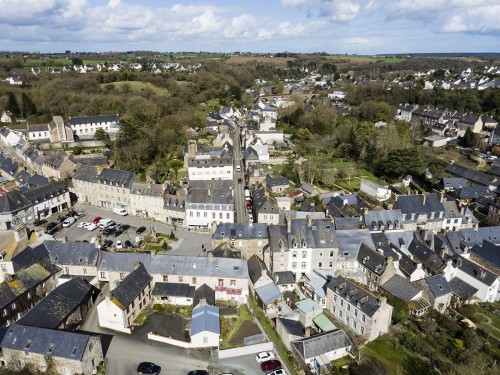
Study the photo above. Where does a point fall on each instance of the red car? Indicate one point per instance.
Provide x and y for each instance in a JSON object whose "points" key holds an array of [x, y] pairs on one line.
{"points": [[270, 365], [248, 204], [97, 220]]}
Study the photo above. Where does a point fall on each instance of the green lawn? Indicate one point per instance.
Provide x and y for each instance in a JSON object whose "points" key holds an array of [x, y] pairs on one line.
{"points": [[386, 352], [231, 326], [139, 86]]}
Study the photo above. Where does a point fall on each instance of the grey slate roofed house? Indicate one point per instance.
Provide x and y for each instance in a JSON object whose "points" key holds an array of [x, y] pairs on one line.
{"points": [[72, 253], [205, 318], [438, 285], [429, 259], [363, 300], [412, 206], [173, 290], [349, 242], [344, 223], [471, 175], [204, 295], [487, 254], [454, 183], [54, 343], [462, 290], [284, 278], [116, 177], [92, 119], [29, 256], [54, 310], [473, 192], [257, 269], [319, 348], [37, 180], [401, 288], [86, 173], [131, 286]]}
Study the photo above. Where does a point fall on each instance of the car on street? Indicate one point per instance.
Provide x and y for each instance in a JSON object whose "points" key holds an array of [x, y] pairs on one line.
{"points": [[97, 219], [114, 225], [198, 372], [124, 227], [105, 223], [264, 356], [107, 231], [248, 205], [83, 224], [51, 227], [239, 180], [140, 230], [148, 368], [107, 244], [39, 222], [271, 365], [277, 372], [117, 233], [78, 215], [119, 244], [92, 226], [128, 244]]}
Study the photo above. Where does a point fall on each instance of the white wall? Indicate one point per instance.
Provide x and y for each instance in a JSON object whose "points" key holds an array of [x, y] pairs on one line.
{"points": [[205, 339], [110, 316]]}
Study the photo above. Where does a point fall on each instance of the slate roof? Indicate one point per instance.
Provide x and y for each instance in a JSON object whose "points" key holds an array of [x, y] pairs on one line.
{"points": [[206, 293], [277, 181], [474, 270], [22, 177], [471, 175], [462, 289], [116, 177], [430, 260], [49, 342], [205, 319], [151, 190], [59, 304], [122, 262], [487, 251], [323, 343], [29, 256], [255, 268], [349, 242], [409, 204], [343, 223], [93, 119], [438, 285], [473, 236], [363, 300], [284, 278], [130, 287], [371, 259], [45, 192], [292, 327], [383, 219], [86, 173], [9, 166], [473, 192], [37, 180], [72, 253], [263, 200], [209, 162], [401, 288], [173, 290], [308, 306], [25, 280], [225, 250], [13, 201], [268, 293], [455, 183], [317, 284]]}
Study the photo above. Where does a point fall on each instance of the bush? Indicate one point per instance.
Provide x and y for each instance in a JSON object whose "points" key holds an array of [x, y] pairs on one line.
{"points": [[157, 307]]}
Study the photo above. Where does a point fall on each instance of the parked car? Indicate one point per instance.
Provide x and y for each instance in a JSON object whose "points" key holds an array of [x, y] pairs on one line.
{"points": [[83, 224], [119, 244], [120, 211], [239, 180], [78, 215], [51, 226], [117, 233], [68, 222], [148, 368], [39, 222], [124, 227], [248, 205], [140, 230], [198, 372], [277, 372], [107, 244], [107, 231], [97, 219], [128, 244], [104, 223], [114, 226], [92, 226], [264, 356], [270, 365]]}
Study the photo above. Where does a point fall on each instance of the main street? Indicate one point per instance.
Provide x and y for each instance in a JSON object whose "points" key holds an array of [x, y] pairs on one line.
{"points": [[239, 196]]}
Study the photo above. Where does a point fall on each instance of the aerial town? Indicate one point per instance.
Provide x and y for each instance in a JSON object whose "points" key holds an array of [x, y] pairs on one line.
{"points": [[266, 244]]}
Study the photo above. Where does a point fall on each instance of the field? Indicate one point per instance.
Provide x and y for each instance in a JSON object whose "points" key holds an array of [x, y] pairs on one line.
{"points": [[138, 86], [361, 59], [59, 62], [260, 59], [388, 354]]}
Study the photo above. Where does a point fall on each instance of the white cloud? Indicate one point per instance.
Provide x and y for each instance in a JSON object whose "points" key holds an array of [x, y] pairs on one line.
{"points": [[114, 3], [341, 10], [295, 3], [475, 19]]}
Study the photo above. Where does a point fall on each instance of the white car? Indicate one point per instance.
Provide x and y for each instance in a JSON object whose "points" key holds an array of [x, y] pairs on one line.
{"points": [[104, 223], [277, 372], [68, 222], [119, 244], [264, 356], [91, 226], [83, 224]]}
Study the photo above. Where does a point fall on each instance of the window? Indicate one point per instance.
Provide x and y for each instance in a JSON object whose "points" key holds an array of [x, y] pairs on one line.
{"points": [[355, 312], [227, 216], [354, 324], [221, 282], [321, 255], [330, 264], [304, 254], [198, 214], [348, 307], [331, 253], [13, 305], [181, 279], [194, 280], [340, 314], [205, 214], [333, 309], [303, 264], [363, 318], [50, 349], [27, 344], [335, 298], [220, 215], [232, 283], [347, 320], [294, 264], [320, 264], [84, 271], [165, 278], [294, 254], [362, 329], [190, 213]]}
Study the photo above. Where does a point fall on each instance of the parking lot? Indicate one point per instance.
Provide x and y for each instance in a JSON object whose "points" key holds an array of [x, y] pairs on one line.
{"points": [[188, 243]]}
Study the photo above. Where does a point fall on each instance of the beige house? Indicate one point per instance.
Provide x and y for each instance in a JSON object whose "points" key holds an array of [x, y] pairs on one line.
{"points": [[367, 315], [249, 239], [50, 350], [59, 131], [437, 291], [123, 304], [57, 165]]}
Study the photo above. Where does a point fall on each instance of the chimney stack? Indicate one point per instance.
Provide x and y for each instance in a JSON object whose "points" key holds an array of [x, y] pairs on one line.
{"points": [[64, 239], [424, 199], [309, 221]]}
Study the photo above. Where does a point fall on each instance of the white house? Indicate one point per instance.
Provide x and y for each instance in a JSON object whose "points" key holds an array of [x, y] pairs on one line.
{"points": [[375, 190], [205, 327], [14, 80], [124, 303], [87, 126], [207, 167], [337, 95], [38, 132]]}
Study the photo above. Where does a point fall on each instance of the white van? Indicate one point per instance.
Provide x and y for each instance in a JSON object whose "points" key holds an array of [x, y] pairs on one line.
{"points": [[68, 222], [120, 211], [238, 168]]}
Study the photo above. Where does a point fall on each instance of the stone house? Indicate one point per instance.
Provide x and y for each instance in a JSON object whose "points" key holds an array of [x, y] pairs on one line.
{"points": [[367, 315], [250, 239], [289, 330], [58, 352], [58, 166], [375, 268], [74, 258], [437, 291]]}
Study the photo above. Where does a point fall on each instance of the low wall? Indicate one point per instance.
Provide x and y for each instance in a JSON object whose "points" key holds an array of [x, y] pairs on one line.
{"points": [[171, 341], [245, 350]]}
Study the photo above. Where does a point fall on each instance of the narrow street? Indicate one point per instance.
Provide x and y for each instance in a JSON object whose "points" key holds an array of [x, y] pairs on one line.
{"points": [[239, 196]]}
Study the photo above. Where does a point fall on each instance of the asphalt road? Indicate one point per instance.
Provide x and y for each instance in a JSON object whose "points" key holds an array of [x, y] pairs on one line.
{"points": [[188, 243], [239, 195]]}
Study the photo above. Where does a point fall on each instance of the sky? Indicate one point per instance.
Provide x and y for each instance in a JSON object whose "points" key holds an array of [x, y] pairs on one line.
{"points": [[332, 26]]}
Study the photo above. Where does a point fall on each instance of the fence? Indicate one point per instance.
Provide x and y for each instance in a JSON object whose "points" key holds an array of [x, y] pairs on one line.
{"points": [[245, 350], [255, 339]]}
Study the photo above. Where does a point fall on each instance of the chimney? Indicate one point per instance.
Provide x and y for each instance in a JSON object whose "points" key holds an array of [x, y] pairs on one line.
{"points": [[441, 196], [288, 224], [390, 206], [462, 209], [307, 332], [309, 221], [389, 260], [98, 245], [64, 239], [209, 192], [192, 148], [424, 199], [210, 256], [137, 264]]}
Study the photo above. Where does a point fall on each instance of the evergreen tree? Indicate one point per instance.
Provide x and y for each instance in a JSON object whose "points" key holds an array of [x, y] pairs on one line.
{"points": [[28, 107], [12, 105]]}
